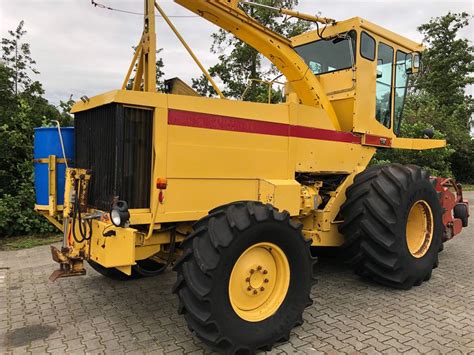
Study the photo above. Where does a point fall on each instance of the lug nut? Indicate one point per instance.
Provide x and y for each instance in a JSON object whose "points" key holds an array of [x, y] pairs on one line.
{"points": [[249, 288], [262, 288], [259, 268], [266, 281], [255, 292], [265, 272], [252, 271], [247, 279]]}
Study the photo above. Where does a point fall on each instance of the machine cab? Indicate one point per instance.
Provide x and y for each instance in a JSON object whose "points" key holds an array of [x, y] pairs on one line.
{"points": [[364, 70]]}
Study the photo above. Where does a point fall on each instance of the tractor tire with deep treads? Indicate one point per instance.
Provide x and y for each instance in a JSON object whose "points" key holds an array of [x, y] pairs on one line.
{"points": [[378, 231], [461, 211], [214, 256]]}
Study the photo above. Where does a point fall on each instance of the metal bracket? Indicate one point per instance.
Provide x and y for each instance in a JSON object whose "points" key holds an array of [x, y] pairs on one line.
{"points": [[69, 266]]}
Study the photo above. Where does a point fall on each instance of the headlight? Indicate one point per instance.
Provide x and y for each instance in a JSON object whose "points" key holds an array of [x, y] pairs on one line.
{"points": [[119, 214]]}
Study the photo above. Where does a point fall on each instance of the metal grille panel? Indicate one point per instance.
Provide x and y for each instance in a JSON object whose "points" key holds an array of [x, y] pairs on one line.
{"points": [[115, 143]]}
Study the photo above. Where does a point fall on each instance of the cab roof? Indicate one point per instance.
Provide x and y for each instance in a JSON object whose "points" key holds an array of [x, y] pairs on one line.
{"points": [[358, 23]]}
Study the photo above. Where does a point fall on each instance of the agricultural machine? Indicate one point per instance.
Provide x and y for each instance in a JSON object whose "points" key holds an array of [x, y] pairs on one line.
{"points": [[235, 194]]}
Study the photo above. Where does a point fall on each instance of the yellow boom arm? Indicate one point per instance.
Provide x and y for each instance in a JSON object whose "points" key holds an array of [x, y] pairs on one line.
{"points": [[278, 49]]}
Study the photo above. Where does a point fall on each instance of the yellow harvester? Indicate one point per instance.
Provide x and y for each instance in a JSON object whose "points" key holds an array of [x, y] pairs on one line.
{"points": [[235, 193]]}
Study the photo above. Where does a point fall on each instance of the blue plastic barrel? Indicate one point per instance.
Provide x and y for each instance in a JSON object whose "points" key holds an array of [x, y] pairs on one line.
{"points": [[47, 143]]}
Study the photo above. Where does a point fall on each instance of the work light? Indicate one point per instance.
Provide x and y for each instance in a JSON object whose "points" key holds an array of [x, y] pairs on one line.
{"points": [[119, 214]]}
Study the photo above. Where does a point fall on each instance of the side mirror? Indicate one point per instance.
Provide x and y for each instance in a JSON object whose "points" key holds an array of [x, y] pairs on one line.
{"points": [[413, 63], [416, 62], [428, 133]]}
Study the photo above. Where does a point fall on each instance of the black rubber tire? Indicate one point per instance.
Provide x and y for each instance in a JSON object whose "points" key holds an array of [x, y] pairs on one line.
{"points": [[461, 211], [210, 253], [144, 268], [375, 216]]}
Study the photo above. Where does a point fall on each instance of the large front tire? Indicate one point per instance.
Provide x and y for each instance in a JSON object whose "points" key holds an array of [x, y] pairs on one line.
{"points": [[392, 225], [245, 278]]}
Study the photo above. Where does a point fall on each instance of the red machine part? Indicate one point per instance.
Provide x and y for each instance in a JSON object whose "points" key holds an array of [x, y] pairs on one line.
{"points": [[450, 195]]}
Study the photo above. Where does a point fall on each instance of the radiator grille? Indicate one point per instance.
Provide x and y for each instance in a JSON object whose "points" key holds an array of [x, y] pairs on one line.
{"points": [[115, 143]]}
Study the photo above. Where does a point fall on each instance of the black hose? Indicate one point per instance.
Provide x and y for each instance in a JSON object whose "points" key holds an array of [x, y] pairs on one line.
{"points": [[77, 214], [321, 34], [150, 273]]}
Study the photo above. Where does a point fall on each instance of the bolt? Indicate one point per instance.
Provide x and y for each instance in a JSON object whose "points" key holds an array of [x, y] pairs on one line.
{"points": [[249, 288], [252, 271], [265, 272], [259, 268], [266, 281], [247, 279], [255, 292], [262, 288]]}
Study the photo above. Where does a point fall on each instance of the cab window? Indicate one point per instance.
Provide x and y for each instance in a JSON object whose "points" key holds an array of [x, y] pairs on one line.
{"points": [[383, 110], [329, 55], [401, 84], [367, 46]]}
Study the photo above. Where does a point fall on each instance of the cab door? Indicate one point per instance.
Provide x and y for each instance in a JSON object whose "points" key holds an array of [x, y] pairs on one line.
{"points": [[381, 86]]}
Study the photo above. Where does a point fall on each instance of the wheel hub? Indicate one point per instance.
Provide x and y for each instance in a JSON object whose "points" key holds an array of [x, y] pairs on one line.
{"points": [[419, 229], [259, 282]]}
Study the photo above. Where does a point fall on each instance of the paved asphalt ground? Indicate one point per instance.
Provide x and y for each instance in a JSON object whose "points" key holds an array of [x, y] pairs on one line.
{"points": [[92, 314]]}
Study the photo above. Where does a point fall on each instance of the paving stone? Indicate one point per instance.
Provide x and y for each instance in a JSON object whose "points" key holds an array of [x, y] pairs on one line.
{"points": [[94, 315]]}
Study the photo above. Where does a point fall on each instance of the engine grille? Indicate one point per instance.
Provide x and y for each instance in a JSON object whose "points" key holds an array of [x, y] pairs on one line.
{"points": [[115, 142]]}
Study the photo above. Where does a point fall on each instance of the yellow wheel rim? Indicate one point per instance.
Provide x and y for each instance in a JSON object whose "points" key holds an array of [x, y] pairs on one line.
{"points": [[419, 231], [259, 282]]}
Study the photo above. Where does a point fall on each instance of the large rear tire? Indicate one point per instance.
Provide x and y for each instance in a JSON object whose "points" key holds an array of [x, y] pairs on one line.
{"points": [[245, 278], [392, 225]]}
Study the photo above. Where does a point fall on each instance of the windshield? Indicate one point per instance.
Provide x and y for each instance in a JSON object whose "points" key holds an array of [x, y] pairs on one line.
{"points": [[329, 55]]}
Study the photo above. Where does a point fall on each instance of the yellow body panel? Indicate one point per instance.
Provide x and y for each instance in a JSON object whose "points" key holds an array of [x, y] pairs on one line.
{"points": [[283, 194], [418, 144], [118, 250], [190, 199], [258, 156]]}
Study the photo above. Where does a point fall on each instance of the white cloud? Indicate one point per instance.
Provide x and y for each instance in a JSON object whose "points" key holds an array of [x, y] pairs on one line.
{"points": [[85, 50]]}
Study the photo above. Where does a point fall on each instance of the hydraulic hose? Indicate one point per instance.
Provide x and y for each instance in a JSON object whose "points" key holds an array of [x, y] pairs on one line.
{"points": [[149, 273], [77, 214]]}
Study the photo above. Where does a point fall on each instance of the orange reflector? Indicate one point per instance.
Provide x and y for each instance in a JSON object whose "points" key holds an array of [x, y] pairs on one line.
{"points": [[161, 184]]}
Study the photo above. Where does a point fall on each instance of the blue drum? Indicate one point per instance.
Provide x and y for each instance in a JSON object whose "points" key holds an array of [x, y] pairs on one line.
{"points": [[47, 143]]}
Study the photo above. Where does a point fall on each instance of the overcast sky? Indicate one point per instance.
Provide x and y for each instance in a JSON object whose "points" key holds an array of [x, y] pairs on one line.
{"points": [[83, 50]]}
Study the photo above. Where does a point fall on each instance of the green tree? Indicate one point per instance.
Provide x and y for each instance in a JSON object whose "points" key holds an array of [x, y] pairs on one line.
{"points": [[22, 108], [16, 55], [448, 62], [238, 62]]}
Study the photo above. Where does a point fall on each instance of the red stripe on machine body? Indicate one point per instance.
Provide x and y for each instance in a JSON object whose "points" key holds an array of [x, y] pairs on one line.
{"points": [[225, 123], [323, 134]]}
